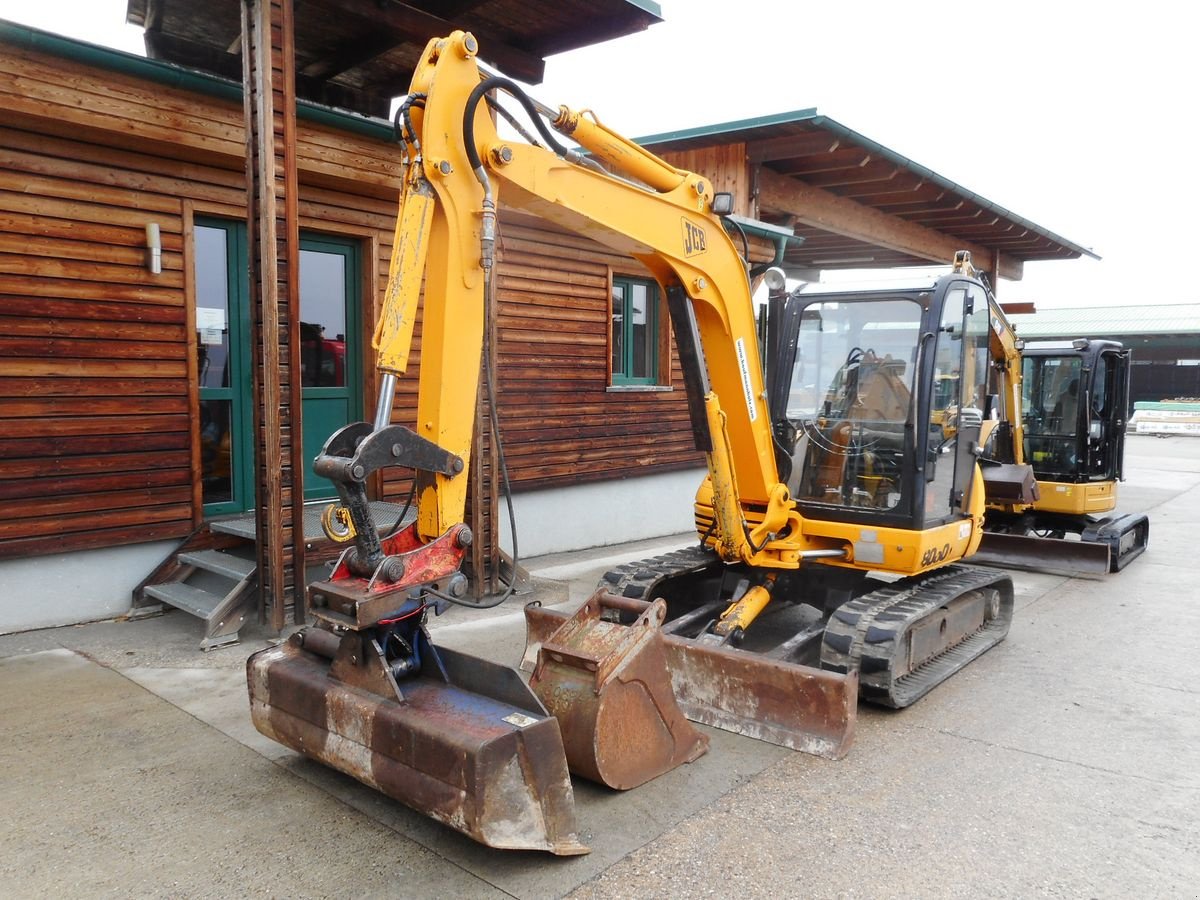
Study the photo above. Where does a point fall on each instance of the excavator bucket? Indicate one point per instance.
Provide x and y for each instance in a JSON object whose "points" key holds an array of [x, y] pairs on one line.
{"points": [[465, 743], [608, 686], [769, 699], [1056, 556]]}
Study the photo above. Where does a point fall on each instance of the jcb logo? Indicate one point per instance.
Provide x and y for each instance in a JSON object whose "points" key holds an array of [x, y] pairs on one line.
{"points": [[693, 239]]}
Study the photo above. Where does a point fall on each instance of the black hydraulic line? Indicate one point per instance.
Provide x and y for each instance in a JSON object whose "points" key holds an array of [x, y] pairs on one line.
{"points": [[521, 97], [407, 505], [407, 135], [745, 240], [513, 121]]}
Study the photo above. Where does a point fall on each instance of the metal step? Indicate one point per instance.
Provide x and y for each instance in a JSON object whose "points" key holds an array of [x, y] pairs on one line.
{"points": [[183, 596], [232, 567]]}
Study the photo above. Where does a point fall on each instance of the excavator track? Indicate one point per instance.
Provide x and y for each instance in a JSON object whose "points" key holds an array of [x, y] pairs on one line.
{"points": [[637, 580], [906, 638]]}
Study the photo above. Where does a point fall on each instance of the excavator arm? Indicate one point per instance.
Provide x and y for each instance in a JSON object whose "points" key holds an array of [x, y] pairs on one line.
{"points": [[645, 208]]}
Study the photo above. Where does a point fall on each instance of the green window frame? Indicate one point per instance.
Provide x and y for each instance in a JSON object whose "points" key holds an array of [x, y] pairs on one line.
{"points": [[219, 261], [634, 332]]}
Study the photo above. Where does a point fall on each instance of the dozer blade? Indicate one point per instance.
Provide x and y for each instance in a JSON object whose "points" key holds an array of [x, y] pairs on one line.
{"points": [[608, 686], [779, 702], [1056, 556], [474, 750]]}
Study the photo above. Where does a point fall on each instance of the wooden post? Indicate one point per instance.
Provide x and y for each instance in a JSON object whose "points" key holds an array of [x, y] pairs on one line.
{"points": [[268, 54]]}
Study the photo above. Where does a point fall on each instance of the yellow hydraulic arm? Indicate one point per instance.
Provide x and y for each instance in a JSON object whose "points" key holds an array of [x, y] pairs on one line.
{"points": [[660, 215], [1004, 349]]}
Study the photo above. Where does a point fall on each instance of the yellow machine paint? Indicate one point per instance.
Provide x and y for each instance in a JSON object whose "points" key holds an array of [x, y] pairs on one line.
{"points": [[369, 657]]}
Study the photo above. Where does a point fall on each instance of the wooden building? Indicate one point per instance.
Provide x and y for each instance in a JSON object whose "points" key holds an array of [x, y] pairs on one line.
{"points": [[129, 421]]}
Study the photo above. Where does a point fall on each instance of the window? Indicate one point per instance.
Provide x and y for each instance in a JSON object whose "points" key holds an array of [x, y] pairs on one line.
{"points": [[635, 332], [223, 365], [851, 402]]}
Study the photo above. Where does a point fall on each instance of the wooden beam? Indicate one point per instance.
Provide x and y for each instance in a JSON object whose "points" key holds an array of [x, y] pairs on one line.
{"points": [[351, 55], [792, 146], [274, 252], [822, 209]]}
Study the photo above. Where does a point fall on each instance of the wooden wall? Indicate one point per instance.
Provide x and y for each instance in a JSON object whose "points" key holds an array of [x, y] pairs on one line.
{"points": [[559, 421], [726, 166], [99, 441]]}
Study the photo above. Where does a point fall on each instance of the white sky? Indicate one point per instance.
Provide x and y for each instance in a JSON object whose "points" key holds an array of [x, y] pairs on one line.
{"points": [[1081, 117]]}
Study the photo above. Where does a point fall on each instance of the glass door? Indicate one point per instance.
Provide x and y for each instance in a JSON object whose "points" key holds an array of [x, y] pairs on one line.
{"points": [[330, 369], [222, 348]]}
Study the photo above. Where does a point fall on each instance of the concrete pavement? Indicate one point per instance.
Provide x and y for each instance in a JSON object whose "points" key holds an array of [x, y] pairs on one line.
{"points": [[1065, 762]]}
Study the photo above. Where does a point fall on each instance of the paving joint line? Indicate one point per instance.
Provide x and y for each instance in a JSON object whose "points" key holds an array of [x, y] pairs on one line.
{"points": [[1067, 762]]}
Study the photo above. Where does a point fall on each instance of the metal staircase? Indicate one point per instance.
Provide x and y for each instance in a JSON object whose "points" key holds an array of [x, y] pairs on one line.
{"points": [[211, 576]]}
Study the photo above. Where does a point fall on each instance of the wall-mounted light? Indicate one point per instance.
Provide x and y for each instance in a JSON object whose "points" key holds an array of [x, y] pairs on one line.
{"points": [[153, 249]]}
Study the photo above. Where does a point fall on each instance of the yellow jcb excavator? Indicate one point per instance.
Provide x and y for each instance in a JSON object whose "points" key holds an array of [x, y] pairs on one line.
{"points": [[765, 629]]}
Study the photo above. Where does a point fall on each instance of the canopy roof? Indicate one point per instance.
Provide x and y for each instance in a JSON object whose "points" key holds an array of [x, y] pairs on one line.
{"points": [[358, 54], [804, 154]]}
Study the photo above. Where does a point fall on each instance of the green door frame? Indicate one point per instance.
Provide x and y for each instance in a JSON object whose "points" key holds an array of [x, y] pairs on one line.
{"points": [[350, 392], [237, 393]]}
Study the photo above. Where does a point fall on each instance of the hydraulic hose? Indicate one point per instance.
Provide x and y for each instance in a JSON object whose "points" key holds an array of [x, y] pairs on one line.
{"points": [[514, 89]]}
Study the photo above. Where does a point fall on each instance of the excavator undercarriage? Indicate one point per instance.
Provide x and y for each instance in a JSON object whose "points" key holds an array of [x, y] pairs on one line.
{"points": [[829, 637]]}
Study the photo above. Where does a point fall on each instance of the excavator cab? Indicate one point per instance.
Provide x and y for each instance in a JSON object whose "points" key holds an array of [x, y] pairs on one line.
{"points": [[877, 400], [1074, 410], [1075, 406]]}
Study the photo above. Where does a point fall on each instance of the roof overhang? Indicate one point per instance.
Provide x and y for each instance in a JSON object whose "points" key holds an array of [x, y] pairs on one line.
{"points": [[860, 205], [358, 54]]}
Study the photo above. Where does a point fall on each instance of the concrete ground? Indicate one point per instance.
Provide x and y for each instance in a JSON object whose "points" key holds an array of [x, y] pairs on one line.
{"points": [[1065, 762]]}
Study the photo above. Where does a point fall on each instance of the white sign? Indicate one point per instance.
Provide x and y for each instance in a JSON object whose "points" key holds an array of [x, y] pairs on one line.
{"points": [[211, 325], [744, 368]]}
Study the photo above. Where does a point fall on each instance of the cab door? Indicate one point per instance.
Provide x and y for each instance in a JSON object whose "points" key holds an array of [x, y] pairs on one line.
{"points": [[961, 363], [1107, 410]]}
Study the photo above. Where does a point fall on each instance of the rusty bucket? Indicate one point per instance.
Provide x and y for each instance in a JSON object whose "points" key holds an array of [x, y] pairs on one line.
{"points": [[465, 742], [773, 700], [608, 685]]}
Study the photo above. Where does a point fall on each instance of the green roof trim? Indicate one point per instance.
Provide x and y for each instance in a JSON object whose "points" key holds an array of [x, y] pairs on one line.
{"points": [[647, 6], [810, 115], [728, 128], [181, 77]]}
